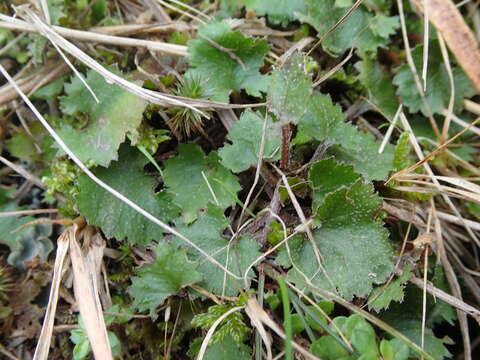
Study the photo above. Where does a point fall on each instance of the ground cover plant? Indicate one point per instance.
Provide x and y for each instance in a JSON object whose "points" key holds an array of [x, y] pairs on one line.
{"points": [[258, 179]]}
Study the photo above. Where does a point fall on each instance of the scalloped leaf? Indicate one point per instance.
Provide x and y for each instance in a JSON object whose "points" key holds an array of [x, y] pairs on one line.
{"points": [[227, 61], [360, 29], [195, 180], [236, 256], [382, 296], [116, 218], [117, 113], [292, 100], [170, 272], [246, 135], [355, 249], [437, 93], [278, 11]]}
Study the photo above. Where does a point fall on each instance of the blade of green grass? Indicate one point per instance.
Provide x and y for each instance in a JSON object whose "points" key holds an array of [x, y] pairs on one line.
{"points": [[150, 158], [287, 318]]}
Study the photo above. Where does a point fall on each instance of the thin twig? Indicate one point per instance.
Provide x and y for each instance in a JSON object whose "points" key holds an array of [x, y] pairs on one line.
{"points": [[15, 24], [28, 212]]}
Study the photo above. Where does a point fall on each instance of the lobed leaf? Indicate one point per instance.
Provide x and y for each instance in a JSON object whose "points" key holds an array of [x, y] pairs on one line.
{"points": [[382, 296], [278, 11], [245, 136], [170, 272], [437, 93], [236, 256], [117, 113], [357, 30], [115, 217], [195, 180], [227, 61], [292, 100], [354, 247]]}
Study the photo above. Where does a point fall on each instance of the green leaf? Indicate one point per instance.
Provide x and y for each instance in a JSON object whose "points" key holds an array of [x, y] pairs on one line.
{"points": [[355, 248], [379, 87], [278, 11], [361, 335], [327, 307], [355, 31], [170, 272], [28, 145], [328, 348], [412, 330], [394, 350], [26, 243], [474, 209], [36, 48], [381, 296], [195, 180], [361, 150], [50, 91], [226, 349], [297, 323], [82, 347], [236, 256], [403, 148], [384, 26], [407, 318], [245, 136], [326, 176], [227, 61], [115, 217], [117, 113], [438, 84], [292, 100], [57, 10]]}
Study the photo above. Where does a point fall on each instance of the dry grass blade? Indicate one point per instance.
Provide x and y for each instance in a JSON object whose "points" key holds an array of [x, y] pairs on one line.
{"points": [[468, 185], [43, 344], [413, 69], [130, 29], [49, 73], [472, 106], [449, 299], [20, 170], [255, 311], [257, 324], [449, 22], [86, 294], [454, 285], [451, 102], [11, 23], [424, 162], [389, 132], [462, 123], [333, 70], [426, 37], [28, 212], [7, 353]]}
